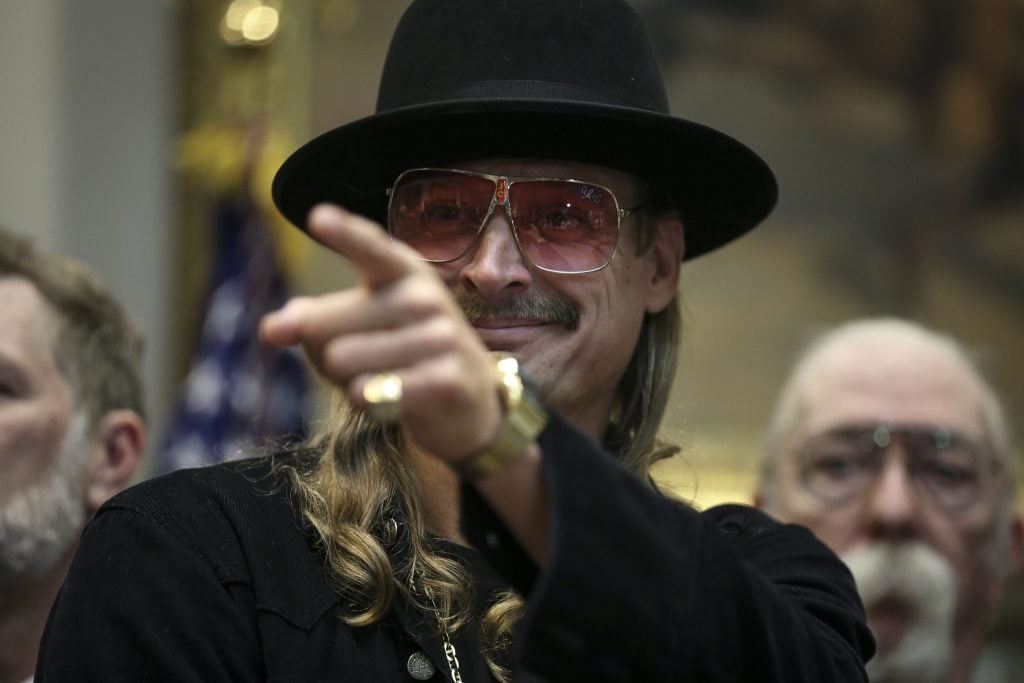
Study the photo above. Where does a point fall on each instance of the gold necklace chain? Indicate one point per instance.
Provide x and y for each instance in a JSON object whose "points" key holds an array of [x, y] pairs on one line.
{"points": [[449, 652]]}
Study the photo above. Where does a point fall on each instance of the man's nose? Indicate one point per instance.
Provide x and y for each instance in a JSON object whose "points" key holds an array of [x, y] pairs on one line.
{"points": [[495, 262], [893, 500]]}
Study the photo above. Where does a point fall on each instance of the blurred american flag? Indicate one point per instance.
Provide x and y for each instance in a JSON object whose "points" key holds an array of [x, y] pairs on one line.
{"points": [[239, 397]]}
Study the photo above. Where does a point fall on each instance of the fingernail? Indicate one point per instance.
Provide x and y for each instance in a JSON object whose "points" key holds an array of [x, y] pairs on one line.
{"points": [[329, 213]]}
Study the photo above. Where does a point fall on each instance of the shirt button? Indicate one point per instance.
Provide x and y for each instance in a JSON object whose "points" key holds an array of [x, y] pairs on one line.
{"points": [[419, 666]]}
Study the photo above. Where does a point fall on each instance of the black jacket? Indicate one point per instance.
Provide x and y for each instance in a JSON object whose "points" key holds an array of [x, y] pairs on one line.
{"points": [[209, 575]]}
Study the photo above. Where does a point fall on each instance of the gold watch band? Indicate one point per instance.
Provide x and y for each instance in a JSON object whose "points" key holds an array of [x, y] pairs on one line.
{"points": [[525, 417]]}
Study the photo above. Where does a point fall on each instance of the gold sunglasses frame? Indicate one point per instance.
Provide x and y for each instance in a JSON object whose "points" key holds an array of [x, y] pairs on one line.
{"points": [[503, 186]]}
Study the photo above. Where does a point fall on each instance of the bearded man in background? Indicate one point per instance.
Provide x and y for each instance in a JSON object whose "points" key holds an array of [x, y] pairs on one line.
{"points": [[71, 429], [889, 445]]}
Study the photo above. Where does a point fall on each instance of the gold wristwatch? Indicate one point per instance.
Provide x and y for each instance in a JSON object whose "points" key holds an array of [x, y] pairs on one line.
{"points": [[525, 417]]}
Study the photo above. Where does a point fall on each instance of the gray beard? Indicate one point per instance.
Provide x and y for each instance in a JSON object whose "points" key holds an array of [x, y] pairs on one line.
{"points": [[926, 580], [38, 526]]}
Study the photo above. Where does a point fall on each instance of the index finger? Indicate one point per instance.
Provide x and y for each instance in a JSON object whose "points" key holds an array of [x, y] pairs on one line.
{"points": [[364, 242]]}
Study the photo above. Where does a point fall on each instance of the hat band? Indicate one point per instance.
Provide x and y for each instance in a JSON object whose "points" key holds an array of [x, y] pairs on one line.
{"points": [[531, 90]]}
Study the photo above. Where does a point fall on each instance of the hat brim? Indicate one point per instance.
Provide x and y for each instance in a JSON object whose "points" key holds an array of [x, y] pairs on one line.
{"points": [[721, 187]]}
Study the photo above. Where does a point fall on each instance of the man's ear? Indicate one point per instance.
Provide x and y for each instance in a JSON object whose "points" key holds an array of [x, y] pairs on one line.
{"points": [[1015, 561], [667, 252], [117, 450], [766, 492], [1010, 561]]}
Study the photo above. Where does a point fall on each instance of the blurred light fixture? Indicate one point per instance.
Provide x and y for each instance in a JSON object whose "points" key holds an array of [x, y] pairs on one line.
{"points": [[250, 22]]}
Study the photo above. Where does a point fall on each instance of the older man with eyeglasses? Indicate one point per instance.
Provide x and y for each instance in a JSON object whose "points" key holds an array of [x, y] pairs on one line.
{"points": [[889, 445]]}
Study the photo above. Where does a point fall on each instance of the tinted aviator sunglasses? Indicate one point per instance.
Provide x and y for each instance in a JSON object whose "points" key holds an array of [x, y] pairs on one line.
{"points": [[560, 225]]}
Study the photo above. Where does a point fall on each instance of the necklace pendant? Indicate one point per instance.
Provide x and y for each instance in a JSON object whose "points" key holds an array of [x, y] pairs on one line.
{"points": [[420, 667]]}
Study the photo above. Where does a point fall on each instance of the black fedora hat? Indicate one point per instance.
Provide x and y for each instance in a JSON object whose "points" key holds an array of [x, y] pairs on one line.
{"points": [[573, 80]]}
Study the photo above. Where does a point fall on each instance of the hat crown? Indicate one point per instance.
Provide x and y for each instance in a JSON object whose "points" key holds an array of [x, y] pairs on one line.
{"points": [[574, 80], [580, 50]]}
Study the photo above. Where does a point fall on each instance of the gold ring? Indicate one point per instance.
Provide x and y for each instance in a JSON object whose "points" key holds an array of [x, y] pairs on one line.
{"points": [[383, 396]]}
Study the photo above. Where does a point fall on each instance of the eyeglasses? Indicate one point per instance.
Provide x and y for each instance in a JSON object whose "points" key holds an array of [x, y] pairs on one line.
{"points": [[560, 225], [950, 470]]}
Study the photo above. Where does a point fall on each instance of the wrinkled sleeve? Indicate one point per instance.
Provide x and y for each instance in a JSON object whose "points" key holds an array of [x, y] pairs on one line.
{"points": [[640, 587]]}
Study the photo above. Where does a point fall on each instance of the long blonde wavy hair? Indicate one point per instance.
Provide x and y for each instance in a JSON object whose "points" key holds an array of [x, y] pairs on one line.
{"points": [[366, 504]]}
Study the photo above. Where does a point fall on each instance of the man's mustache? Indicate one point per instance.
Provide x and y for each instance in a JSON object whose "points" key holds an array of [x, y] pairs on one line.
{"points": [[538, 308]]}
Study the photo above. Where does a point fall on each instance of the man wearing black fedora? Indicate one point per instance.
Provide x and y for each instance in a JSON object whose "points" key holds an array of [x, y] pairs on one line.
{"points": [[478, 506]]}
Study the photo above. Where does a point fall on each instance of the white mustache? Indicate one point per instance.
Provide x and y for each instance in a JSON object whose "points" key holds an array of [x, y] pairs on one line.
{"points": [[925, 581]]}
